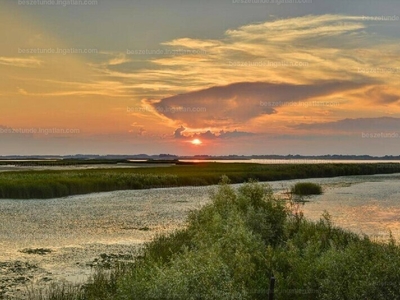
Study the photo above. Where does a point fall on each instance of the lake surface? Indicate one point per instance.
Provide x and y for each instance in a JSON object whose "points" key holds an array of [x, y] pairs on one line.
{"points": [[364, 204], [12, 167], [294, 161]]}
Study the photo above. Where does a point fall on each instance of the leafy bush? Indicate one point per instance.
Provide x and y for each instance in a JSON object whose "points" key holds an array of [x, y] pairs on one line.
{"points": [[306, 189]]}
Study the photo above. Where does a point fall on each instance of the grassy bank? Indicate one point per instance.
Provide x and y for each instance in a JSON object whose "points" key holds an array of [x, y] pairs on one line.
{"points": [[50, 184], [231, 247]]}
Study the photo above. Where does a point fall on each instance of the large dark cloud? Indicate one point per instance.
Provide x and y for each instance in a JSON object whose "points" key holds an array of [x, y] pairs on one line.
{"points": [[237, 103]]}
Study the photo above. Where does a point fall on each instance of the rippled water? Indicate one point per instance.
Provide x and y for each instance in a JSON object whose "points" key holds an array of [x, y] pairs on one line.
{"points": [[294, 161], [80, 229], [364, 204]]}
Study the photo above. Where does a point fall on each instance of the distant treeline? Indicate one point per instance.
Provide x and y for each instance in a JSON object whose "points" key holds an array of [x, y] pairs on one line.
{"points": [[52, 184]]}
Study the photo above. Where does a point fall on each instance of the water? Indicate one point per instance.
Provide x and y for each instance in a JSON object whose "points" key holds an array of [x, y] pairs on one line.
{"points": [[80, 229], [363, 204], [293, 161], [27, 160], [367, 204]]}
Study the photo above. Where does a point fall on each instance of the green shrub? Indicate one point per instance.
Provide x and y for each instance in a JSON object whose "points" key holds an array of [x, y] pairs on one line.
{"points": [[306, 189]]}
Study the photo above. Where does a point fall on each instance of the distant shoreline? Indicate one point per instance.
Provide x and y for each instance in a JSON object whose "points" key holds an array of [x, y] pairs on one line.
{"points": [[110, 158], [183, 161]]}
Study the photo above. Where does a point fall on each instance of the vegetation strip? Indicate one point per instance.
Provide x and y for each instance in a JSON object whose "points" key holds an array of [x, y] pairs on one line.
{"points": [[52, 184]]}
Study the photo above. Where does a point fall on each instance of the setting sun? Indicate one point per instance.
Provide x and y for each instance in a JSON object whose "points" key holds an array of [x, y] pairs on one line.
{"points": [[196, 142]]}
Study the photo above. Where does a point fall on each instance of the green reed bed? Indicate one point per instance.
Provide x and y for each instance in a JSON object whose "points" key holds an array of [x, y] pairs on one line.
{"points": [[45, 184], [50, 184]]}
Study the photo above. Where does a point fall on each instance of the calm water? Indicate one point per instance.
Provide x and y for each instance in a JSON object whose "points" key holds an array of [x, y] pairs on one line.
{"points": [[295, 161], [364, 204]]}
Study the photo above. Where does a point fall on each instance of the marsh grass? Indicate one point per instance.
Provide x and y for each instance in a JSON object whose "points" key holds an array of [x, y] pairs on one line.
{"points": [[46, 184], [63, 291], [231, 247], [306, 189], [38, 251], [54, 184]]}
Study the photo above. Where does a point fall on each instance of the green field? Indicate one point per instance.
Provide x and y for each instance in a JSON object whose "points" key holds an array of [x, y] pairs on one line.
{"points": [[50, 184]]}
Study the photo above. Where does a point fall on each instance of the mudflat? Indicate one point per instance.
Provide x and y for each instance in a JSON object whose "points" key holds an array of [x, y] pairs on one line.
{"points": [[63, 239]]}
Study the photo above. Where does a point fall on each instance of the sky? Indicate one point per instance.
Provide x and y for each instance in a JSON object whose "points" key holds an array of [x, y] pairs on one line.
{"points": [[210, 77]]}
